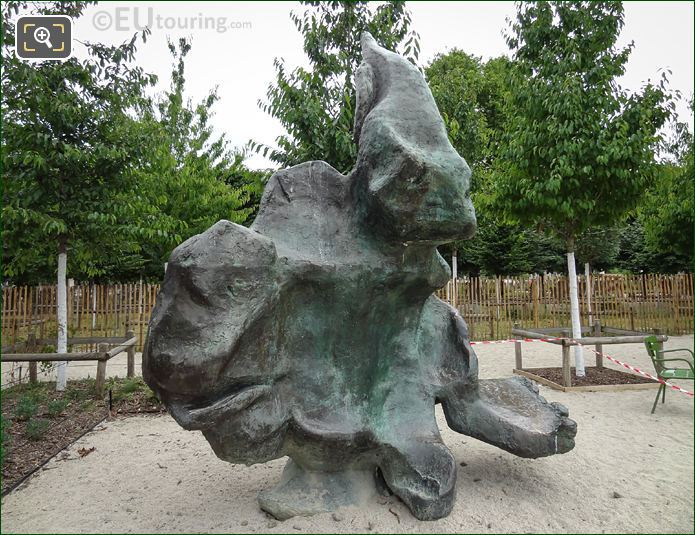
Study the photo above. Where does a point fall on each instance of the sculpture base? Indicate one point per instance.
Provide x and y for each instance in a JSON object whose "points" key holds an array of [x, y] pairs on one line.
{"points": [[305, 493]]}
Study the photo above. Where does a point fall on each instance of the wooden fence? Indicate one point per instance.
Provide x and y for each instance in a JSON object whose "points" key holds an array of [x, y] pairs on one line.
{"points": [[93, 311], [490, 305]]}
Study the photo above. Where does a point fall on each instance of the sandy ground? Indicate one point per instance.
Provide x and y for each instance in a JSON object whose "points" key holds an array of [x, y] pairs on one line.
{"points": [[630, 472]]}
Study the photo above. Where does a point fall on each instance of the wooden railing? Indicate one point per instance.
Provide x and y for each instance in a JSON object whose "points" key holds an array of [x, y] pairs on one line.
{"points": [[107, 348]]}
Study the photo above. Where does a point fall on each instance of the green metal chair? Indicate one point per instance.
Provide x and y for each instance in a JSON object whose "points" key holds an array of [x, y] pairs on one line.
{"points": [[667, 372]]}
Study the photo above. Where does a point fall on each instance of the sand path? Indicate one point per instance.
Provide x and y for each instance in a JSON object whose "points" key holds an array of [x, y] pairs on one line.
{"points": [[149, 475]]}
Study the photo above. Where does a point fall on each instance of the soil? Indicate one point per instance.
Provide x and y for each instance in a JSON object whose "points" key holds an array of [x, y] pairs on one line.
{"points": [[32, 433], [594, 376]]}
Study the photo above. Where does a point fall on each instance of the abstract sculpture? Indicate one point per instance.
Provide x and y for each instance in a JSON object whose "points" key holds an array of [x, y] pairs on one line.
{"points": [[314, 333]]}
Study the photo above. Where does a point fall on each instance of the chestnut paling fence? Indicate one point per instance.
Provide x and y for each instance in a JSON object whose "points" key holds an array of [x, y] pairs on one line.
{"points": [[94, 310], [490, 305]]}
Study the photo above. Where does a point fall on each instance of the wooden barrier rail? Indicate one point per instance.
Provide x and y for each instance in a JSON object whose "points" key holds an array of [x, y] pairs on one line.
{"points": [[102, 355], [638, 338]]}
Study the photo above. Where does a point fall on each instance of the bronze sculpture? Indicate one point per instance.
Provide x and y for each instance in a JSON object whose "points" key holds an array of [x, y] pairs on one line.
{"points": [[314, 333]]}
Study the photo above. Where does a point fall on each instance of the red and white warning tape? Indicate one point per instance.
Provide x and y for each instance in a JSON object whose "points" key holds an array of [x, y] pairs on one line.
{"points": [[625, 365], [515, 340], [620, 363]]}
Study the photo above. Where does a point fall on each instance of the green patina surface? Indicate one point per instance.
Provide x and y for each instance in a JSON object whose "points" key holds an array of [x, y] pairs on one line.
{"points": [[315, 334]]}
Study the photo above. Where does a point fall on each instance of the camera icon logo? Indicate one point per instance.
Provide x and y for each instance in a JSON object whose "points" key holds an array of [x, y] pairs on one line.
{"points": [[44, 37]]}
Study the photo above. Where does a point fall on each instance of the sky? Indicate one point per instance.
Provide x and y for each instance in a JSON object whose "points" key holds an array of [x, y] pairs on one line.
{"points": [[234, 45]]}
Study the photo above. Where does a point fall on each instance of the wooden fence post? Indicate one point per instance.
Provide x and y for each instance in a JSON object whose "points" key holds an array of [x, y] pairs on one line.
{"points": [[131, 354], [676, 301], [101, 369], [517, 352], [31, 347], [598, 347], [566, 369], [517, 356], [141, 310]]}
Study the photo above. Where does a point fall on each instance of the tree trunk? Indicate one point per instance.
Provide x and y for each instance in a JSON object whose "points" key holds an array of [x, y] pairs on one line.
{"points": [[574, 311], [62, 311]]}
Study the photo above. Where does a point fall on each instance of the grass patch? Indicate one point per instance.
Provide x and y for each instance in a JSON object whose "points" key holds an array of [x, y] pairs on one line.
{"points": [[56, 407], [81, 390], [130, 389], [39, 392], [52, 420], [87, 405], [26, 408], [4, 437], [36, 428]]}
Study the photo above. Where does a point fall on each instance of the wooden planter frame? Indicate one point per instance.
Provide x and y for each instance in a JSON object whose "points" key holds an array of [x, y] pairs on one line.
{"points": [[620, 336]]}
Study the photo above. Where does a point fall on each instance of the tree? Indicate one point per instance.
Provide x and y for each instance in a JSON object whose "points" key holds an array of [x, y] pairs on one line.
{"points": [[461, 90], [68, 149], [468, 93], [191, 177], [598, 246], [636, 255], [471, 96], [579, 150], [317, 106], [666, 212], [185, 180], [501, 248]]}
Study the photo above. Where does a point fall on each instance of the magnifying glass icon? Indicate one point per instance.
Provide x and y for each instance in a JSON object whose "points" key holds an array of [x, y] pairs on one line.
{"points": [[42, 35]]}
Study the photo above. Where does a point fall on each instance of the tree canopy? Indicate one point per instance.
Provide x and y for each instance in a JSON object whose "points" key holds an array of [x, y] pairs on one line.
{"points": [[70, 146], [562, 156], [579, 150], [95, 164], [666, 212], [471, 95], [191, 177], [316, 106]]}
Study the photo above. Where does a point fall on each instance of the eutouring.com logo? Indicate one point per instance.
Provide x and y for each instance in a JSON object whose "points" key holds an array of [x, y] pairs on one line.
{"points": [[43, 37], [125, 18]]}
